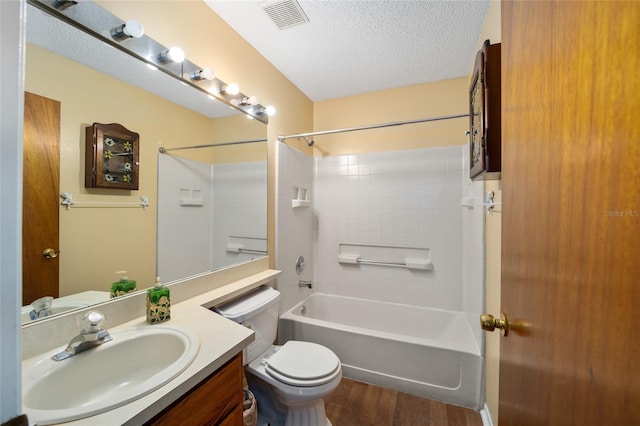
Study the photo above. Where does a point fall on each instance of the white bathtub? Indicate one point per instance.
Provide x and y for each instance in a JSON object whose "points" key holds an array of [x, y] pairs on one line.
{"points": [[430, 353]]}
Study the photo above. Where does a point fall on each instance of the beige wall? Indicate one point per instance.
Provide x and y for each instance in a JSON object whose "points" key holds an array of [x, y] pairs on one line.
{"points": [[441, 98], [238, 128]]}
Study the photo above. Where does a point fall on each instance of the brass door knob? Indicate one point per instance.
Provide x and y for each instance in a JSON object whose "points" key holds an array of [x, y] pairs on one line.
{"points": [[49, 253], [489, 323]]}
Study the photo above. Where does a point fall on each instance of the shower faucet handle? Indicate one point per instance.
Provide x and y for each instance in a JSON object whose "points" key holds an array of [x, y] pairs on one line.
{"points": [[299, 265]]}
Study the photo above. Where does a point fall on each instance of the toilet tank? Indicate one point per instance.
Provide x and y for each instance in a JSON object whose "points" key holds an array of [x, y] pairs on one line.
{"points": [[259, 311]]}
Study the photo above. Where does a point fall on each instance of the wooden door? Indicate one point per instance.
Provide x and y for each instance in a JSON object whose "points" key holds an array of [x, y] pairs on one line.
{"points": [[41, 192], [571, 213]]}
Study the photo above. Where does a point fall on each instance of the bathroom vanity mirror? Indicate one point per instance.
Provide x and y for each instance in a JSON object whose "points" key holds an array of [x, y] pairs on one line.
{"points": [[109, 230]]}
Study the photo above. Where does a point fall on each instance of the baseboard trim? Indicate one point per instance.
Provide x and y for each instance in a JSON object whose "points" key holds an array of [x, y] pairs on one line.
{"points": [[486, 416]]}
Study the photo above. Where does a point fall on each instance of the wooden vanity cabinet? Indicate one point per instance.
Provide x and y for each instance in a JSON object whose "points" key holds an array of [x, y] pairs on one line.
{"points": [[217, 400]]}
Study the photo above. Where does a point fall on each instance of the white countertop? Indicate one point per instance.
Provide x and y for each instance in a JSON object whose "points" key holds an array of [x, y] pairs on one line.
{"points": [[220, 340]]}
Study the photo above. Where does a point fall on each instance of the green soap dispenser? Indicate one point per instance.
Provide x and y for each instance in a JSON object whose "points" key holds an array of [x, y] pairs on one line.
{"points": [[124, 286], [158, 303]]}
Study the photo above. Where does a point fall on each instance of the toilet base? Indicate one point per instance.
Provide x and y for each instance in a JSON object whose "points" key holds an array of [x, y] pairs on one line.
{"points": [[312, 415], [272, 412]]}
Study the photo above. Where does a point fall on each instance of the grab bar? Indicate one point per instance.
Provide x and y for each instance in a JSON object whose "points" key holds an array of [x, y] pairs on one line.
{"points": [[252, 251], [379, 262], [239, 248], [409, 263]]}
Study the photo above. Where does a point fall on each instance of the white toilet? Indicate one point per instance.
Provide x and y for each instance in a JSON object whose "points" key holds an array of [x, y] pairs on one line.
{"points": [[288, 381]]}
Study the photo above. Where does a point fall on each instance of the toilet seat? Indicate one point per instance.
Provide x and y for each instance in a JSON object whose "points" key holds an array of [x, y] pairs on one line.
{"points": [[303, 364]]}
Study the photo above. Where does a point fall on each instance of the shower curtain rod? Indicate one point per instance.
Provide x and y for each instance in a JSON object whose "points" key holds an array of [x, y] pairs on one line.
{"points": [[371, 126], [164, 150]]}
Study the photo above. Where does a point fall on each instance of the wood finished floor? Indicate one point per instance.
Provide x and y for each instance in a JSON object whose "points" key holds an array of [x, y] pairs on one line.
{"points": [[360, 404]]}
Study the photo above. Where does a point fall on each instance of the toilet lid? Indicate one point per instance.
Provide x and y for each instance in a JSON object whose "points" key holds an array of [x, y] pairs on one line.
{"points": [[303, 364]]}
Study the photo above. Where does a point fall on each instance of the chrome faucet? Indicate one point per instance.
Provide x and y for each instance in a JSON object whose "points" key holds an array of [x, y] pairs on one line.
{"points": [[303, 283], [91, 335], [41, 308]]}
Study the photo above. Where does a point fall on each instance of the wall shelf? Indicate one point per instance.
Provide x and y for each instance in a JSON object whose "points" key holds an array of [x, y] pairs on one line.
{"points": [[300, 197], [300, 203]]}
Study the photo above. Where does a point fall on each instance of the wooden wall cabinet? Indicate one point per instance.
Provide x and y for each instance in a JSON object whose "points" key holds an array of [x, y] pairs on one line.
{"points": [[217, 400], [111, 157], [485, 133]]}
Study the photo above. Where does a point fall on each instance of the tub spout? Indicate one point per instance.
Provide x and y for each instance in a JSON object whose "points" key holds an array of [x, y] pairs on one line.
{"points": [[303, 283]]}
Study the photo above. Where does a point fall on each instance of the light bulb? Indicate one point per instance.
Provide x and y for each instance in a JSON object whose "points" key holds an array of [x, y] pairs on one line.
{"points": [[175, 54], [127, 30], [203, 74], [270, 110], [251, 100], [230, 89]]}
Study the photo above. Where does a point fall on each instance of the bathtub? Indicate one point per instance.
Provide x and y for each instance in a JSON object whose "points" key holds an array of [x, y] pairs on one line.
{"points": [[430, 353]]}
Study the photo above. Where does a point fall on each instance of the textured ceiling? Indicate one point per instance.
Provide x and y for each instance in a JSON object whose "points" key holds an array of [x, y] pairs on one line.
{"points": [[353, 47]]}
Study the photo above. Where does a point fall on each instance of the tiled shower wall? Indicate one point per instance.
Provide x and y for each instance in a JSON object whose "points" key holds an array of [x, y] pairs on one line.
{"points": [[294, 226], [409, 198], [239, 206], [233, 201]]}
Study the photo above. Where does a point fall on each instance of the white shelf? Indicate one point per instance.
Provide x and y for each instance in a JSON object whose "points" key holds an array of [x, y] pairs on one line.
{"points": [[300, 203], [191, 203]]}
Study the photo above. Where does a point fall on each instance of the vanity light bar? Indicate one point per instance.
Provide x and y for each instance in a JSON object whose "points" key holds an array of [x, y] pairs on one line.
{"points": [[101, 24]]}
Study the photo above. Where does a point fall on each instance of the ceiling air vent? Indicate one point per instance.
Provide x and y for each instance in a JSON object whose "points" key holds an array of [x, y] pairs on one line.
{"points": [[284, 13]]}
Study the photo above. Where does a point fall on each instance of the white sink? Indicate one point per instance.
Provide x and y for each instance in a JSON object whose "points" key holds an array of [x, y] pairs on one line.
{"points": [[135, 363]]}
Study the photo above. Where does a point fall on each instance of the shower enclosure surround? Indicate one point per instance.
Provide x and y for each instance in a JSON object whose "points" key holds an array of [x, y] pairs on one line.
{"points": [[405, 198], [400, 199], [226, 202]]}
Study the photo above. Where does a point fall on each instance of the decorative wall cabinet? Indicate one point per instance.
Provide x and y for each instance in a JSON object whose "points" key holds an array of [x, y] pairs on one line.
{"points": [[111, 159], [484, 115]]}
